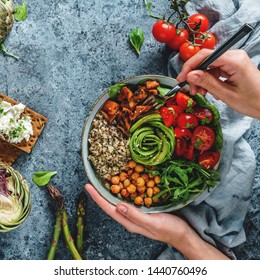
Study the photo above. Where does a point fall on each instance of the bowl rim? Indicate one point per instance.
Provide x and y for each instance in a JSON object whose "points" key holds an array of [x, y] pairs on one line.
{"points": [[103, 190]]}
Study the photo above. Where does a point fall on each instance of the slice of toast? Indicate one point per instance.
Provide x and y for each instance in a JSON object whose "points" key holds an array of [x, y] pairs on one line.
{"points": [[8, 153], [38, 123]]}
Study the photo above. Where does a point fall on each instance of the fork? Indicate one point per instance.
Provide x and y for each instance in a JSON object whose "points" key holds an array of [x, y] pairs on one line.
{"points": [[159, 100]]}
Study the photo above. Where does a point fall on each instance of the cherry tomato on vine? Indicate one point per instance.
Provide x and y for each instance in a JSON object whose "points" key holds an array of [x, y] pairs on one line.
{"points": [[203, 138], [206, 40], [203, 114], [198, 22], [209, 159], [184, 101], [187, 121], [180, 146], [183, 133], [163, 31], [187, 50], [181, 36]]}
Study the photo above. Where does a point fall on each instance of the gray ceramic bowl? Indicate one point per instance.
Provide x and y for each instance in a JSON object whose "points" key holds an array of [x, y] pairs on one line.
{"points": [[92, 176]]}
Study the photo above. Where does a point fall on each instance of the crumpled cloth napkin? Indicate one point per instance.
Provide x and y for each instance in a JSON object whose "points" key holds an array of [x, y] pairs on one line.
{"points": [[218, 215]]}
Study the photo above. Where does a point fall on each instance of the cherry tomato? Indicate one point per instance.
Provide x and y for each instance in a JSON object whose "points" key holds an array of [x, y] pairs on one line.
{"points": [[198, 22], [167, 116], [163, 31], [187, 121], [203, 114], [184, 133], [176, 110], [181, 36], [189, 154], [206, 40], [209, 159], [187, 50], [184, 101], [171, 101], [180, 147], [203, 138]]}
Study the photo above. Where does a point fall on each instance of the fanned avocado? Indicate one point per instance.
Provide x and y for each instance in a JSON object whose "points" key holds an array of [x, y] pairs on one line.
{"points": [[151, 142]]}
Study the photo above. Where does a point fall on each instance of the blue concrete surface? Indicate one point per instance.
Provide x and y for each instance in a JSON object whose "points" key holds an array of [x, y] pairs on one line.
{"points": [[70, 51]]}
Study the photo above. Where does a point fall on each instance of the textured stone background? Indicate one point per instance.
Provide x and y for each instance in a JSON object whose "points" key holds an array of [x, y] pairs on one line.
{"points": [[70, 51]]}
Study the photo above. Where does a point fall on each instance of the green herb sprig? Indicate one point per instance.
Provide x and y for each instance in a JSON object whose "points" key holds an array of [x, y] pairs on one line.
{"points": [[137, 39]]}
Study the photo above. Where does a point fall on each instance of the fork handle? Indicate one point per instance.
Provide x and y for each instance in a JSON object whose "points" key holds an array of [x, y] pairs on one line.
{"points": [[244, 30]]}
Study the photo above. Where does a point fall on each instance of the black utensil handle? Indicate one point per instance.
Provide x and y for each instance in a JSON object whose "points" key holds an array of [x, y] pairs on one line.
{"points": [[243, 31]]}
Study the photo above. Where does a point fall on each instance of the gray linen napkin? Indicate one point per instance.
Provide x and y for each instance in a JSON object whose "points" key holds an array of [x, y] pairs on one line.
{"points": [[218, 215]]}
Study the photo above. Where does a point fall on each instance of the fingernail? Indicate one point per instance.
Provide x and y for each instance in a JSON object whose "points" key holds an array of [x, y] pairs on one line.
{"points": [[122, 209]]}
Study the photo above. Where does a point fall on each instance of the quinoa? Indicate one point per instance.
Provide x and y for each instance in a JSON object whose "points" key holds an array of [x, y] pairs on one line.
{"points": [[108, 151]]}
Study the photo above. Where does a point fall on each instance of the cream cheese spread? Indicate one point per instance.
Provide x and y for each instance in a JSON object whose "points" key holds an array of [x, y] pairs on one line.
{"points": [[15, 126]]}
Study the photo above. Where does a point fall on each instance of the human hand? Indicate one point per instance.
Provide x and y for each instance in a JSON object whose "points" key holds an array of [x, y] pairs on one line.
{"points": [[241, 88], [159, 226]]}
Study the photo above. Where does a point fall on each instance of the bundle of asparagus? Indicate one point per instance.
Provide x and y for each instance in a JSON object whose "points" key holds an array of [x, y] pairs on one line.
{"points": [[61, 223]]}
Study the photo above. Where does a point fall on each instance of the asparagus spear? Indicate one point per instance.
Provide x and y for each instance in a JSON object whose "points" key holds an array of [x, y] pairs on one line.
{"points": [[56, 236], [59, 203], [81, 206]]}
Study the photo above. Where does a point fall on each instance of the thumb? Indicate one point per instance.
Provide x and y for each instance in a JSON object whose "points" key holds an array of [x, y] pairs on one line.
{"points": [[203, 79]]}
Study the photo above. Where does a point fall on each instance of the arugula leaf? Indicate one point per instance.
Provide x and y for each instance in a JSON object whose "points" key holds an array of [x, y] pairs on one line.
{"points": [[42, 178], [137, 39], [20, 12], [113, 90]]}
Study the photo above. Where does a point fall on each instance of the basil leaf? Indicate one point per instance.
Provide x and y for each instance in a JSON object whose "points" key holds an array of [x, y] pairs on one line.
{"points": [[20, 12], [113, 90], [137, 39], [42, 178]]}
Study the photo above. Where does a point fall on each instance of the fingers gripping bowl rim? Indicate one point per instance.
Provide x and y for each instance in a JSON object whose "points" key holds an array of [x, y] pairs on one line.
{"points": [[90, 170]]}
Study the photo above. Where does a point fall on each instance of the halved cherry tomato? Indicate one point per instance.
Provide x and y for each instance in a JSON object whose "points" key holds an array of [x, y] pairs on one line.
{"points": [[203, 138], [209, 159], [163, 31], [206, 40], [171, 101], [176, 110], [180, 147], [189, 154], [181, 36], [198, 22], [187, 121], [184, 133], [184, 101], [187, 50], [203, 114], [167, 116]]}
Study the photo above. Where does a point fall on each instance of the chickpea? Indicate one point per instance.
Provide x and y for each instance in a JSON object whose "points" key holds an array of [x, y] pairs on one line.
{"points": [[150, 184], [121, 186], [156, 190], [139, 168], [145, 176], [141, 189], [124, 193], [115, 189], [126, 183], [131, 188], [157, 179], [133, 195], [115, 180], [123, 176], [131, 164], [149, 192], [140, 182], [148, 201], [138, 200], [134, 176], [130, 172]]}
